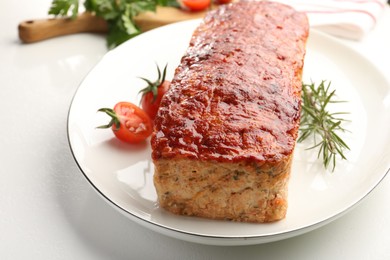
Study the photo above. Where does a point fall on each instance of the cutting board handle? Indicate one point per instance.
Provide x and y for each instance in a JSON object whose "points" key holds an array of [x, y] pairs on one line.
{"points": [[37, 30]]}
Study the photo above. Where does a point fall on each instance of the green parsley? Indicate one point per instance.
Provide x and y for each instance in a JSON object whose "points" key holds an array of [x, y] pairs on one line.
{"points": [[64, 7], [119, 14]]}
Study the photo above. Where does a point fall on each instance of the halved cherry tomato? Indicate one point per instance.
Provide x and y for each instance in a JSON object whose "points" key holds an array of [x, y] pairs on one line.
{"points": [[128, 122], [195, 5], [153, 93]]}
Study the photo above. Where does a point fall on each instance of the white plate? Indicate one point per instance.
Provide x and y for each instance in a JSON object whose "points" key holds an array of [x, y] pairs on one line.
{"points": [[122, 173]]}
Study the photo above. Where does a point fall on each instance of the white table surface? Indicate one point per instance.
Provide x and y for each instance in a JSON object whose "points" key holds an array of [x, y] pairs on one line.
{"points": [[49, 211]]}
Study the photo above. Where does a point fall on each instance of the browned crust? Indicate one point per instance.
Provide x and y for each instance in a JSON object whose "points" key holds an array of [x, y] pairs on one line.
{"points": [[236, 94]]}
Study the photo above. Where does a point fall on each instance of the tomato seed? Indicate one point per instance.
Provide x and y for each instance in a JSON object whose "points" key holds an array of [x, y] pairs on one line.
{"points": [[141, 127]]}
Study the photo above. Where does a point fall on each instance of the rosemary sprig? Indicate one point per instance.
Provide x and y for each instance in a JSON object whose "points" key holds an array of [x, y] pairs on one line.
{"points": [[317, 121]]}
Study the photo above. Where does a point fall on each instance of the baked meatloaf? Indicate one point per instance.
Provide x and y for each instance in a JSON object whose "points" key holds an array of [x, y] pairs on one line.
{"points": [[225, 132]]}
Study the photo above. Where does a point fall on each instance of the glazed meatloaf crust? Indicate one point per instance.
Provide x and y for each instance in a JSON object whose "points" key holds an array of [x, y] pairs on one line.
{"points": [[225, 132]]}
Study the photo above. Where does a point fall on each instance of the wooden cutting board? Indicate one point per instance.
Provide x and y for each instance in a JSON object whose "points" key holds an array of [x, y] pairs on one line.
{"points": [[38, 30]]}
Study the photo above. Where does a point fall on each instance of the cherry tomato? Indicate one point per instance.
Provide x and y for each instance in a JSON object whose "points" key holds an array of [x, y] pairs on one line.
{"points": [[150, 104], [153, 93], [195, 5], [129, 123], [221, 2]]}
